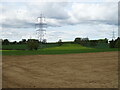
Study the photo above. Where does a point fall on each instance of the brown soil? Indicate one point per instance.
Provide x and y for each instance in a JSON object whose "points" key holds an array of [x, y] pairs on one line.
{"points": [[85, 70]]}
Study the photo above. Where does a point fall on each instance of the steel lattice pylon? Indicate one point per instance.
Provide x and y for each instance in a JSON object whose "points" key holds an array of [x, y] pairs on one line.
{"points": [[41, 27]]}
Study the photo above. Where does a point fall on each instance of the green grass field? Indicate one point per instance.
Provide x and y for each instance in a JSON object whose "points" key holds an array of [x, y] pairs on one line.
{"points": [[64, 49]]}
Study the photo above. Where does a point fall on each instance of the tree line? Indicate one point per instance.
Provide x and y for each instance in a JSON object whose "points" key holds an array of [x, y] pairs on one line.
{"points": [[86, 42], [23, 41], [34, 44]]}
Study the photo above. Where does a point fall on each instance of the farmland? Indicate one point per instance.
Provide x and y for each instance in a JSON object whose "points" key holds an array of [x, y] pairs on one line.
{"points": [[54, 66], [84, 70]]}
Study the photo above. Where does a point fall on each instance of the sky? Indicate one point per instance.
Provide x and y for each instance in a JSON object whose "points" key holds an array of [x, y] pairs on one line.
{"points": [[66, 20]]}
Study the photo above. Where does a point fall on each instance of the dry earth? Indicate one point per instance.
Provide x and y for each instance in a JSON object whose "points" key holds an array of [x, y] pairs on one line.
{"points": [[85, 70]]}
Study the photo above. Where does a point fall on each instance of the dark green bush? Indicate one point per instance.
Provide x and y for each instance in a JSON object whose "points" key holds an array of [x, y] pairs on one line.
{"points": [[33, 44], [93, 43]]}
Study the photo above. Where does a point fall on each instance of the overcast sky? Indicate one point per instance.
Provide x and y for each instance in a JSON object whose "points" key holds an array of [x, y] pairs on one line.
{"points": [[65, 20]]}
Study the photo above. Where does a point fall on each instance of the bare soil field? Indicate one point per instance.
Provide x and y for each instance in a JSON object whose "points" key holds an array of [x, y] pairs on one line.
{"points": [[85, 70]]}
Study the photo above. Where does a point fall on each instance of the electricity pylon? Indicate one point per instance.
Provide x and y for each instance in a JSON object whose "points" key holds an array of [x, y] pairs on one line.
{"points": [[113, 35], [41, 27]]}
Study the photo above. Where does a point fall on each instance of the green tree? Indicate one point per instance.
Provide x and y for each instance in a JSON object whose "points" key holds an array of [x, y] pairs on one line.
{"points": [[33, 44], [112, 44], [117, 43], [77, 40], [60, 42], [23, 41], [5, 42], [106, 40], [44, 41], [15, 42]]}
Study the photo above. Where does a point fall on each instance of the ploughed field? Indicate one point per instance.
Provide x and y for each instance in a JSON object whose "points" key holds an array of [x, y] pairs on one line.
{"points": [[84, 70]]}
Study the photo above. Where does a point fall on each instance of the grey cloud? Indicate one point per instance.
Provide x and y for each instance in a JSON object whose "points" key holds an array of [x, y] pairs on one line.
{"points": [[18, 24], [60, 13]]}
